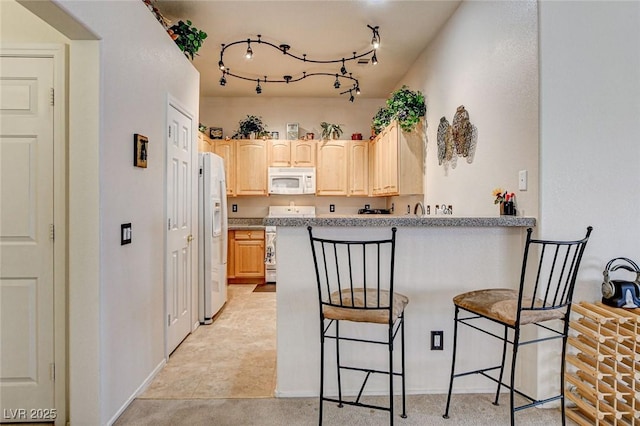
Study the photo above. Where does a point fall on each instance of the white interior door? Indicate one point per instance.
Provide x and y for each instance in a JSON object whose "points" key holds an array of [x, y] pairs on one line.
{"points": [[26, 237], [179, 227]]}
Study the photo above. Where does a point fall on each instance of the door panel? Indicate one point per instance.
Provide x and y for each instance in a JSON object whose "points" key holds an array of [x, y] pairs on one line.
{"points": [[179, 233], [26, 244]]}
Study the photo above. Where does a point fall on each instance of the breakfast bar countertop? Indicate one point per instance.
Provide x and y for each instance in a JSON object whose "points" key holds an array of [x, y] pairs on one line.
{"points": [[245, 224], [402, 221]]}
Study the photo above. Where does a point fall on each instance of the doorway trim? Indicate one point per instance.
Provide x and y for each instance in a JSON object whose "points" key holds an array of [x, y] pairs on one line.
{"points": [[58, 53]]}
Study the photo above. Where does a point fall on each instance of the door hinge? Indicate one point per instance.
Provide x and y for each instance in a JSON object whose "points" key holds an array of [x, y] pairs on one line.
{"points": [[53, 96], [52, 232], [169, 224], [168, 320], [169, 132], [52, 371]]}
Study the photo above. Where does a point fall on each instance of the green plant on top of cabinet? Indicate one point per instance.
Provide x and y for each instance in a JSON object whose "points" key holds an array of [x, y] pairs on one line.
{"points": [[330, 130], [286, 153]]}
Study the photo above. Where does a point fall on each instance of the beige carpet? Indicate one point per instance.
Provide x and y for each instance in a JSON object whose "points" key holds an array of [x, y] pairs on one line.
{"points": [[235, 357]]}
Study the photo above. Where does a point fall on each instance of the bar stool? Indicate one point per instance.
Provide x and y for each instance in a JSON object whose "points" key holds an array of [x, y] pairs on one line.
{"points": [[543, 299], [355, 283]]}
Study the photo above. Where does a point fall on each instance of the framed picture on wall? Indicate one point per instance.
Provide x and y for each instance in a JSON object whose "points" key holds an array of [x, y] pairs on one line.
{"points": [[275, 135], [292, 131], [215, 132], [140, 150]]}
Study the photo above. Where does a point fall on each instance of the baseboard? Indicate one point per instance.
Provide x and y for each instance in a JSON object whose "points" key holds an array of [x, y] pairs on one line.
{"points": [[145, 384]]}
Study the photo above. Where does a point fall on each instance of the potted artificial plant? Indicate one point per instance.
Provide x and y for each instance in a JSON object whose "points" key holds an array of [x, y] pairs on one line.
{"points": [[330, 130], [406, 106], [188, 38], [251, 126]]}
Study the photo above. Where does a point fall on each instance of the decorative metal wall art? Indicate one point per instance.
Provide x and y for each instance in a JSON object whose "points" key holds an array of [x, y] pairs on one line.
{"points": [[456, 140]]}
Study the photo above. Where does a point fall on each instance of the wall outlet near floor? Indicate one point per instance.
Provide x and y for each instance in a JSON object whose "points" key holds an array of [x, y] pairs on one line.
{"points": [[436, 340], [332, 208], [234, 208]]}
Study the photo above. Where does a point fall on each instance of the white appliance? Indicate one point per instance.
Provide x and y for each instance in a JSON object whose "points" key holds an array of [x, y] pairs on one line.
{"points": [[212, 241], [292, 180], [270, 234]]}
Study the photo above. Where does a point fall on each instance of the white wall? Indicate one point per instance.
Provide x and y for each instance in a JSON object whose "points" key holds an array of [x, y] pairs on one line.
{"points": [[116, 297], [277, 112], [485, 58], [589, 147]]}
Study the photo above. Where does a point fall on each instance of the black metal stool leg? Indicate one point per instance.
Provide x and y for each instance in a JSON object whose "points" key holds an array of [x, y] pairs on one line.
{"points": [[338, 363], [321, 370], [453, 362], [404, 405], [516, 342], [504, 354], [390, 348]]}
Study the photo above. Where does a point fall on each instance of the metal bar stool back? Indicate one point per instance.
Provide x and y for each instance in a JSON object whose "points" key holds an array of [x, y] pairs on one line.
{"points": [[355, 282], [543, 300]]}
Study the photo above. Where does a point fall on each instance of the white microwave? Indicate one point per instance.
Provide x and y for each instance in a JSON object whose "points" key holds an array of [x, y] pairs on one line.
{"points": [[292, 180]]}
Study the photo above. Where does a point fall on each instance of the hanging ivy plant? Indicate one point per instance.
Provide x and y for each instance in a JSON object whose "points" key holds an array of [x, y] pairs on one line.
{"points": [[404, 105], [188, 38]]}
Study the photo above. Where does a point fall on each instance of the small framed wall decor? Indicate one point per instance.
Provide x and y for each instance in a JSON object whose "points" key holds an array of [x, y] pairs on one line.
{"points": [[140, 150], [292, 131], [275, 135], [215, 132]]}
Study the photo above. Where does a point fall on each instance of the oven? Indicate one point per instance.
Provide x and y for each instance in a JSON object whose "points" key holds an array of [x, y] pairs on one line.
{"points": [[270, 234]]}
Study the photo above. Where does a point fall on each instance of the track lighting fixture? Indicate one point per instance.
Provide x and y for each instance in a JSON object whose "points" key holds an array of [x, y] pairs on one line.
{"points": [[285, 49], [249, 52], [375, 40]]}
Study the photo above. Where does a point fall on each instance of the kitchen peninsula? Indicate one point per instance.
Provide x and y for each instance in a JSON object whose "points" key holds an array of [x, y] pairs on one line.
{"points": [[437, 257]]}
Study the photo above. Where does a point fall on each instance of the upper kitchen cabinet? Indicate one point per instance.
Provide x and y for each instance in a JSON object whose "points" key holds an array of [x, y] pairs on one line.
{"points": [[204, 143], [227, 150], [397, 162], [332, 169], [251, 167], [285, 153], [358, 182]]}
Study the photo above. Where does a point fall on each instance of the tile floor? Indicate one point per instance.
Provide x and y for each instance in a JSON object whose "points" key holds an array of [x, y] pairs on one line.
{"points": [[235, 357]]}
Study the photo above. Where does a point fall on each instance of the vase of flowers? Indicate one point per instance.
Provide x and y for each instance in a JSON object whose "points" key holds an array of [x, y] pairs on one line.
{"points": [[506, 200]]}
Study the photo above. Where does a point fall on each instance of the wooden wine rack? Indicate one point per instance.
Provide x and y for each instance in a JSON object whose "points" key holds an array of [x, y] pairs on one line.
{"points": [[603, 365]]}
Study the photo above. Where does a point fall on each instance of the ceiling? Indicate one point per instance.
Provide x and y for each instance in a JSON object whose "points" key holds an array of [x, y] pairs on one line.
{"points": [[322, 29]]}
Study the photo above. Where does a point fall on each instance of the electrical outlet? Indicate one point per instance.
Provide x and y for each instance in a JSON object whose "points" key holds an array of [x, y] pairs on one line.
{"points": [[125, 234], [234, 208], [367, 206], [436, 340], [522, 180], [332, 208]]}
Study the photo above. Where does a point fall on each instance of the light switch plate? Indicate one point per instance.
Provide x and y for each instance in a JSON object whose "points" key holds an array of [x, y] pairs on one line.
{"points": [[125, 234], [522, 180]]}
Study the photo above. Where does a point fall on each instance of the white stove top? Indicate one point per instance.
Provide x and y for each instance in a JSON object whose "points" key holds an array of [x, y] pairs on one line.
{"points": [[292, 211]]}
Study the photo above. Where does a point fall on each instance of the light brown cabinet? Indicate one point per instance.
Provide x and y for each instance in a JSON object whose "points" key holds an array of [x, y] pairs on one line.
{"points": [[358, 182], [227, 150], [251, 167], [204, 143], [332, 168], [245, 262], [397, 162], [284, 153]]}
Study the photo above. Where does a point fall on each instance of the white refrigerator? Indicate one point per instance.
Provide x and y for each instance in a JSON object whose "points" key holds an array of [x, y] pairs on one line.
{"points": [[212, 241]]}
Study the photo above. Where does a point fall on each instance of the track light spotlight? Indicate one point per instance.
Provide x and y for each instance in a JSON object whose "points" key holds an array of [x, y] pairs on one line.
{"points": [[375, 40], [223, 81], [351, 98], [249, 53], [343, 70], [221, 65], [258, 88], [336, 83], [374, 59], [357, 90]]}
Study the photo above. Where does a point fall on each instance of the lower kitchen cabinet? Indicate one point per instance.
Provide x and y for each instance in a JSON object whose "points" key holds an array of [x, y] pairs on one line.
{"points": [[245, 260]]}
